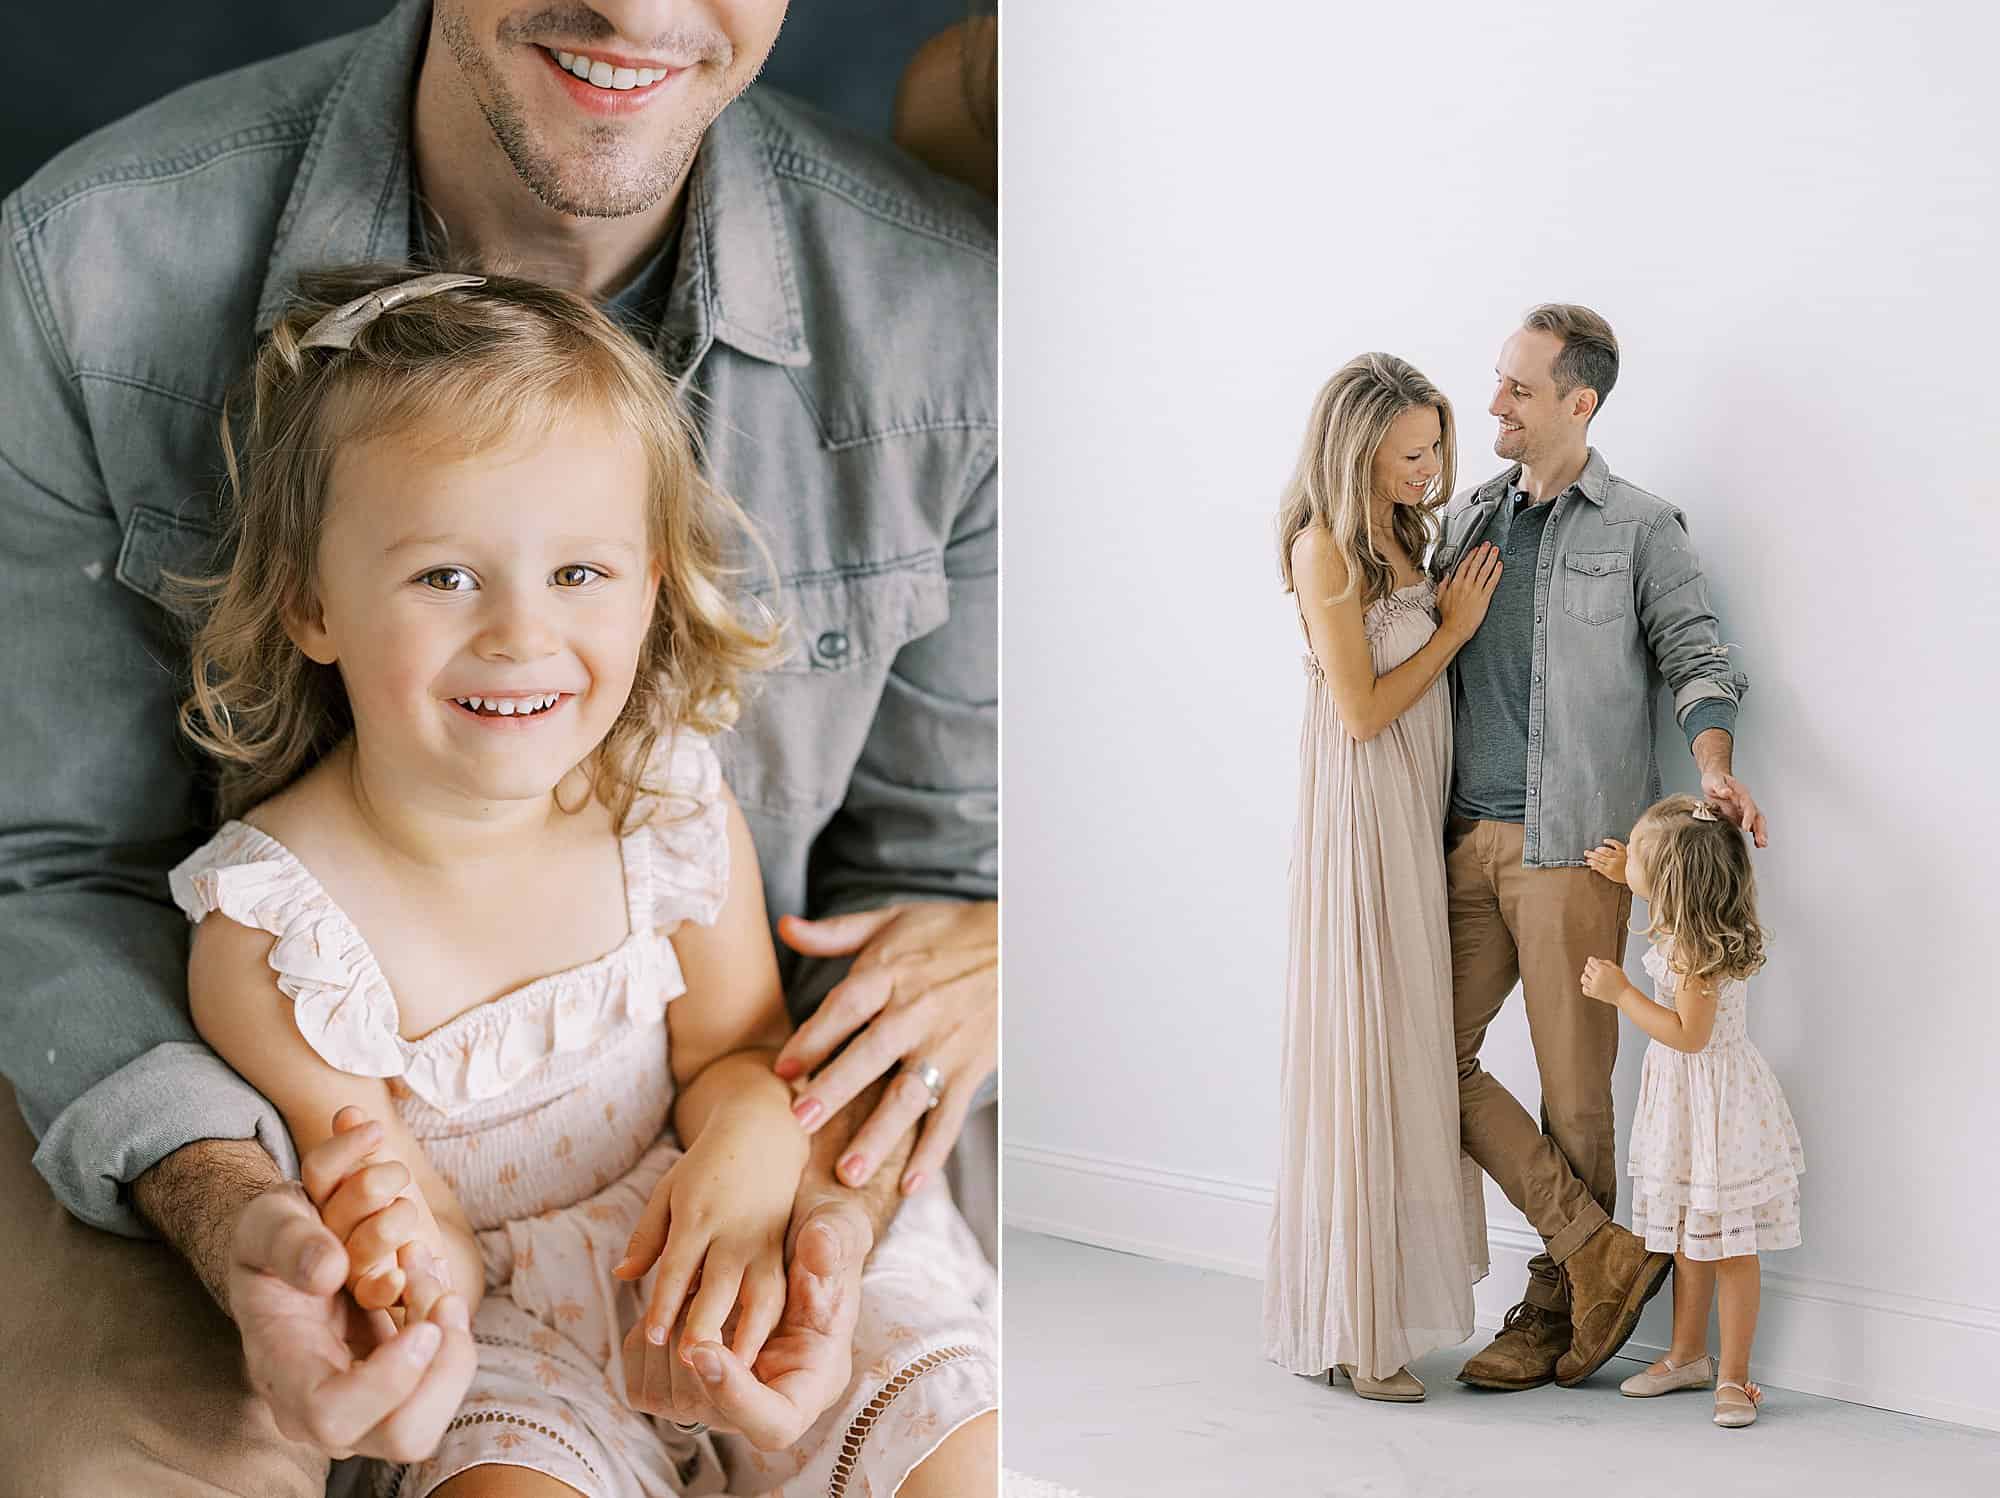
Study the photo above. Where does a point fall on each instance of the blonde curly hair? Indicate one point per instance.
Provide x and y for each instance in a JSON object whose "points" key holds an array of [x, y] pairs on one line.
{"points": [[466, 369], [1704, 892]]}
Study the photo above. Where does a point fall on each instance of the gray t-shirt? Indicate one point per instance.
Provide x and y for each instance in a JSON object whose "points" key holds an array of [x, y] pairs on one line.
{"points": [[1490, 685]]}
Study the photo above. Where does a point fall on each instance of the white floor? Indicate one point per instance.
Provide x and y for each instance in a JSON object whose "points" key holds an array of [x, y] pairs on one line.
{"points": [[1128, 1377]]}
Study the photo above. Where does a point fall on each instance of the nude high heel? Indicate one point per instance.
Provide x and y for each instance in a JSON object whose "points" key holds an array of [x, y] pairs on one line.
{"points": [[1400, 1387]]}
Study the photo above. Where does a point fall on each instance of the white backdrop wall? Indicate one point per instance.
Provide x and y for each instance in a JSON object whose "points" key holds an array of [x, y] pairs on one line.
{"points": [[1788, 212]]}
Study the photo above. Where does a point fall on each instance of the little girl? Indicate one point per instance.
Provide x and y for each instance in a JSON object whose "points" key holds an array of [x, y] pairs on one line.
{"points": [[1715, 1156], [486, 900]]}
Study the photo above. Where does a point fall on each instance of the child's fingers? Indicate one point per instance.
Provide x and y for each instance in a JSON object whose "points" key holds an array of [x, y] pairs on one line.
{"points": [[650, 1236], [379, 1288], [425, 1277], [759, 1305], [680, 1262], [721, 1279], [381, 1237], [323, 1167], [364, 1193]]}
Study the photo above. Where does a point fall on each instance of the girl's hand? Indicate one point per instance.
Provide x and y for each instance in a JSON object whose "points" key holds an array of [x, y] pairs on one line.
{"points": [[717, 1219], [373, 1206], [1608, 859], [1464, 596], [1604, 981]]}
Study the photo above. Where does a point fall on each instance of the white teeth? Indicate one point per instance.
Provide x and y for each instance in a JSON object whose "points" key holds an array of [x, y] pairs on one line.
{"points": [[567, 59], [622, 78], [581, 67], [600, 74], [648, 77], [506, 707]]}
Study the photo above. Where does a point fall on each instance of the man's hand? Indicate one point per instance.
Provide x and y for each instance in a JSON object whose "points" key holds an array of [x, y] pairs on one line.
{"points": [[335, 1375], [1733, 798], [806, 1362], [924, 989]]}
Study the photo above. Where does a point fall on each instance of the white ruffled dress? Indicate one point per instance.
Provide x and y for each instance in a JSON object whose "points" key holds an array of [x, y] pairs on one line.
{"points": [[1715, 1159], [548, 1112]]}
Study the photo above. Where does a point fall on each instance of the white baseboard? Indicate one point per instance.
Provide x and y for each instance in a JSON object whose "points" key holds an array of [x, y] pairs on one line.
{"points": [[1895, 1352]]}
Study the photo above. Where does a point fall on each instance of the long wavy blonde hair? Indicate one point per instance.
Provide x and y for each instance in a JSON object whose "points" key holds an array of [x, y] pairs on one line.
{"points": [[1334, 479], [466, 370], [1704, 890]]}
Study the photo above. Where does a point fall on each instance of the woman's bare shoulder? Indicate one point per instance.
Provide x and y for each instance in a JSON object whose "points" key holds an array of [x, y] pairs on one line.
{"points": [[1317, 563]]}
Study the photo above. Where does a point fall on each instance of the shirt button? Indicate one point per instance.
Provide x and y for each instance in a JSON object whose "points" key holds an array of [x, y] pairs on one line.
{"points": [[832, 645]]}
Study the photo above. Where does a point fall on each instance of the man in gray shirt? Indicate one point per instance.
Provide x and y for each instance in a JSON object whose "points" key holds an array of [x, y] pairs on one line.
{"points": [[829, 306], [1555, 704]]}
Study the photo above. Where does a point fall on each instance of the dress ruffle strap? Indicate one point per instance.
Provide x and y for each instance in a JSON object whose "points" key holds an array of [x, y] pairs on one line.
{"points": [[686, 835], [341, 1004]]}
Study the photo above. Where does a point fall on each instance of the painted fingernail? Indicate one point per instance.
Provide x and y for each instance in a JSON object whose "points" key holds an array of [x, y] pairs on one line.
{"points": [[853, 1169], [623, 1266], [911, 1182], [707, 1364], [657, 1335], [808, 1111]]}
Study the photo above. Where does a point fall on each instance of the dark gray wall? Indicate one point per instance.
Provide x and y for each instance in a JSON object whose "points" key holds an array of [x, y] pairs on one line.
{"points": [[843, 55]]}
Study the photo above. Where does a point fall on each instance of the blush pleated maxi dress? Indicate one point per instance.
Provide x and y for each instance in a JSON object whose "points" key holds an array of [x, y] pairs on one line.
{"points": [[1379, 1228]]}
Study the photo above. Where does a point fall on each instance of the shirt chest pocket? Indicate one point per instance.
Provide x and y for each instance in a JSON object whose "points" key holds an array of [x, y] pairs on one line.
{"points": [[803, 728], [163, 553], [1597, 586]]}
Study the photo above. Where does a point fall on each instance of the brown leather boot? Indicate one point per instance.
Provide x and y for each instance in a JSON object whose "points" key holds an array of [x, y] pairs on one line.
{"points": [[1610, 1279], [1525, 1353]]}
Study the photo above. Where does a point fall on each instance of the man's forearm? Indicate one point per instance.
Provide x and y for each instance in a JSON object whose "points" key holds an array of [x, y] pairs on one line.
{"points": [[1714, 750], [878, 1199], [194, 1196]]}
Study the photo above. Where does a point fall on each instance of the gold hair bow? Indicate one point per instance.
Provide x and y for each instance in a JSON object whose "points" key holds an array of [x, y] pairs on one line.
{"points": [[338, 327], [1703, 812]]}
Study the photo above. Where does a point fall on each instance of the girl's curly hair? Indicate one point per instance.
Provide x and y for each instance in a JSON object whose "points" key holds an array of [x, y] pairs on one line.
{"points": [[460, 370], [1704, 892]]}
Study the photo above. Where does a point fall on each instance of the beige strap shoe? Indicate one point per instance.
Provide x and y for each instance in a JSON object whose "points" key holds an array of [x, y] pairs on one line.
{"points": [[1693, 1374], [1400, 1387], [1733, 1414]]}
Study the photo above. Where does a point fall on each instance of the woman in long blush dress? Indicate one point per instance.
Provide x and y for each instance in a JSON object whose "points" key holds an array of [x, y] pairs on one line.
{"points": [[1379, 1229]]}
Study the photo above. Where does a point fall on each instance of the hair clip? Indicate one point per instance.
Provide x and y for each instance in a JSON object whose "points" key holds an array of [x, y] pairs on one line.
{"points": [[1703, 812], [338, 327]]}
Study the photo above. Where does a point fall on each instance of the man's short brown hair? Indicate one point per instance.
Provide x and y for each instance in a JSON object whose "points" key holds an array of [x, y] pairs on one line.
{"points": [[1589, 348]]}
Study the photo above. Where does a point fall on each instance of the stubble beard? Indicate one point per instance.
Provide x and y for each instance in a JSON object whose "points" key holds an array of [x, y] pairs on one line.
{"points": [[610, 180]]}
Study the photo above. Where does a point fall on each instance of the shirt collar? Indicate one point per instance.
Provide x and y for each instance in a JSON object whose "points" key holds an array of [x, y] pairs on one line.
{"points": [[1593, 483], [351, 202]]}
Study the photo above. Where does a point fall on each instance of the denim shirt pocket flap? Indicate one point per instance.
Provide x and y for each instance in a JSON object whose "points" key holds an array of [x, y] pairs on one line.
{"points": [[162, 554], [842, 621], [1597, 586]]}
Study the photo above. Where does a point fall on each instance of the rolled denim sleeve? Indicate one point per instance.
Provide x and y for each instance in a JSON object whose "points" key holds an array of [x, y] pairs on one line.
{"points": [[96, 799], [921, 817], [1682, 632]]}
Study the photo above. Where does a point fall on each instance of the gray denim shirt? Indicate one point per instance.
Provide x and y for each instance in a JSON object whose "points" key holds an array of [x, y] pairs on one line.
{"points": [[834, 312], [1620, 607]]}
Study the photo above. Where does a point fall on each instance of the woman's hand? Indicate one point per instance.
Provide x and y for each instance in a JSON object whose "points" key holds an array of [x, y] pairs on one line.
{"points": [[718, 1219], [1464, 596], [1605, 981], [371, 1204], [1608, 859], [923, 990]]}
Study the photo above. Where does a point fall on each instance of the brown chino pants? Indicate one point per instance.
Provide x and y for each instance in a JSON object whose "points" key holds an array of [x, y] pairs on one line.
{"points": [[121, 1376], [1537, 926]]}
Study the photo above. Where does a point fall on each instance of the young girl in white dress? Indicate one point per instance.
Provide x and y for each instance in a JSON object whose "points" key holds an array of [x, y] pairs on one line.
{"points": [[486, 911], [1715, 1155]]}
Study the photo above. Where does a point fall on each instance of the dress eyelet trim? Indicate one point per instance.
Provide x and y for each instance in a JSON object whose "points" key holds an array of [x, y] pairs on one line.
{"points": [[876, 1408], [508, 1417]]}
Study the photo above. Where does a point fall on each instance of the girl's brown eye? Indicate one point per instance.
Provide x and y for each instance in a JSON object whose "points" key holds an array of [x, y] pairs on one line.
{"points": [[576, 575], [447, 579]]}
